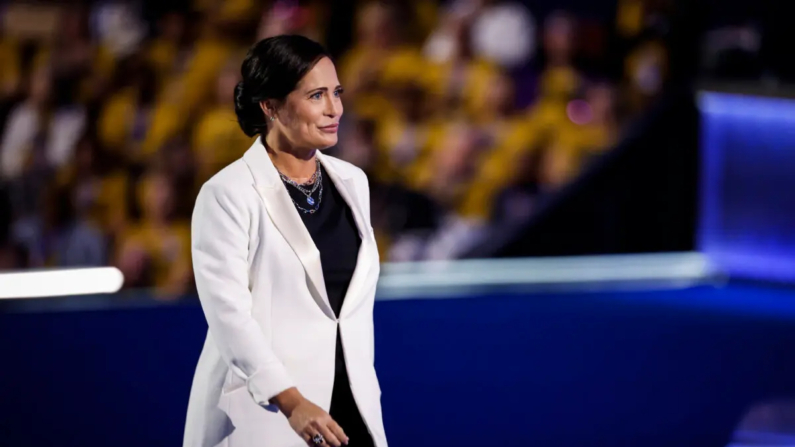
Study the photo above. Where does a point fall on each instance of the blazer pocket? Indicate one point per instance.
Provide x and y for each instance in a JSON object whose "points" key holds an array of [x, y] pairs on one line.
{"points": [[232, 383], [251, 421], [227, 403]]}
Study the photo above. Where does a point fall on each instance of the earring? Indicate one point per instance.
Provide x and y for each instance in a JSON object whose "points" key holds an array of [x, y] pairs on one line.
{"points": [[272, 118]]}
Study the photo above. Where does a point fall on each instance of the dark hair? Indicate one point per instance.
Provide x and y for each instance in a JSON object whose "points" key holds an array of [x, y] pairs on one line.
{"points": [[271, 70]]}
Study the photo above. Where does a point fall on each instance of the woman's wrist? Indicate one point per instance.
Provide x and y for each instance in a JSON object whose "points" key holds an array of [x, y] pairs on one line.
{"points": [[287, 400]]}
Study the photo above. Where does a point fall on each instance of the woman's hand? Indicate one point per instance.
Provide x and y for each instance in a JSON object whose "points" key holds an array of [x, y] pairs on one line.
{"points": [[309, 420]]}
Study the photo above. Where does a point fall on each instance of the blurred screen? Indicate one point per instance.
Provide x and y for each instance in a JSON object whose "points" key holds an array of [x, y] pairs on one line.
{"points": [[747, 223]]}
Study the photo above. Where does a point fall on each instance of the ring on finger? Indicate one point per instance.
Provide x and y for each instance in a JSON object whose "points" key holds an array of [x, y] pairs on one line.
{"points": [[318, 439]]}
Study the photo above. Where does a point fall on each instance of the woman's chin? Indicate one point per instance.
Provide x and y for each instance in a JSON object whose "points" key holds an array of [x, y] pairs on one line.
{"points": [[326, 142]]}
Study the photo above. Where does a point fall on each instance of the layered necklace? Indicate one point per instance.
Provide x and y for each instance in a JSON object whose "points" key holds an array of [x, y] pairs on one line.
{"points": [[308, 189]]}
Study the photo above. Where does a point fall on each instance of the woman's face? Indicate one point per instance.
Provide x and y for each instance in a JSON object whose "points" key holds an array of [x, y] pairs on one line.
{"points": [[158, 199], [40, 85], [559, 36], [499, 95], [376, 26], [309, 117]]}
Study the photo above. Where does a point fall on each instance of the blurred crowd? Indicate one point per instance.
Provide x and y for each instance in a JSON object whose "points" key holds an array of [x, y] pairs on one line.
{"points": [[463, 113]]}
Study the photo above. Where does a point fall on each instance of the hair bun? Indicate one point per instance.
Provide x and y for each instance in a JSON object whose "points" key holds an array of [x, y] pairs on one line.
{"points": [[239, 91], [249, 115]]}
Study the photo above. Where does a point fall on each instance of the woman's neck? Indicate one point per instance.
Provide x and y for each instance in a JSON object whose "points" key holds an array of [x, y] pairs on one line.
{"points": [[299, 165]]}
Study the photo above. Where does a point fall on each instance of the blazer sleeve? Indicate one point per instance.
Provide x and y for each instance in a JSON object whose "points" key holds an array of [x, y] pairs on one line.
{"points": [[219, 247]]}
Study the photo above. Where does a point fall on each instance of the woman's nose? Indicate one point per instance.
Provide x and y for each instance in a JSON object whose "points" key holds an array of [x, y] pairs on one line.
{"points": [[333, 107]]}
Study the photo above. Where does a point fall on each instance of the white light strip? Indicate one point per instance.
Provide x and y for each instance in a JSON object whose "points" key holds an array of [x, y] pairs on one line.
{"points": [[411, 277], [51, 283]]}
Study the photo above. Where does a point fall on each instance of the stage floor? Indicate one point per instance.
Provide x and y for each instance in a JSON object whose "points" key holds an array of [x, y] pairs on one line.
{"points": [[614, 368]]}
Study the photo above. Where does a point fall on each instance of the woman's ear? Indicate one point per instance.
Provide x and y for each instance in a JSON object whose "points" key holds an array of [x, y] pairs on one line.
{"points": [[268, 109]]}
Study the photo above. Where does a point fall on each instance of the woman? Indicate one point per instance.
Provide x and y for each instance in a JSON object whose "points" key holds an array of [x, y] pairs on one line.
{"points": [[286, 267]]}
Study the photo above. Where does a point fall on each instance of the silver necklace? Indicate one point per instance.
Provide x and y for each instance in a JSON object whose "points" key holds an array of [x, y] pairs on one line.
{"points": [[312, 179], [315, 204], [317, 183]]}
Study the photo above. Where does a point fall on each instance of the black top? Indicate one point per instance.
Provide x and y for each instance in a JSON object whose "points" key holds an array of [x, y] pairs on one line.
{"points": [[334, 231]]}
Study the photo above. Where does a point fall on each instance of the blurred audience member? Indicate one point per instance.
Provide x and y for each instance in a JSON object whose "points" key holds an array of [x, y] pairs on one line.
{"points": [[166, 53], [456, 77], [72, 53], [358, 145], [133, 123], [560, 78], [507, 139], [451, 168], [10, 70], [176, 160], [40, 132], [380, 58], [645, 71], [228, 11], [293, 17], [82, 238], [591, 127], [216, 137], [404, 136], [156, 249], [79, 242]]}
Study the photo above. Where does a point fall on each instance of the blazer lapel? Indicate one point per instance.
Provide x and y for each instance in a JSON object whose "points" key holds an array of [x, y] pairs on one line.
{"points": [[347, 188], [285, 217]]}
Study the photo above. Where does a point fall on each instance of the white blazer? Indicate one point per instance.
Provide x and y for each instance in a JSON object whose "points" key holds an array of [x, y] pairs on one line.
{"points": [[271, 327]]}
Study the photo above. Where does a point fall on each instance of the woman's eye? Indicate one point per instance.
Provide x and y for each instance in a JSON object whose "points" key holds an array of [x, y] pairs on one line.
{"points": [[316, 95], [338, 93]]}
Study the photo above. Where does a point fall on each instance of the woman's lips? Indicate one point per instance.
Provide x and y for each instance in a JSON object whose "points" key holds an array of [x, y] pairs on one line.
{"points": [[330, 129]]}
